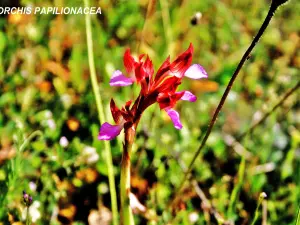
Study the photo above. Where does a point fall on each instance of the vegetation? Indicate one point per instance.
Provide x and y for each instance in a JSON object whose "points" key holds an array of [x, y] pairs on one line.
{"points": [[54, 170]]}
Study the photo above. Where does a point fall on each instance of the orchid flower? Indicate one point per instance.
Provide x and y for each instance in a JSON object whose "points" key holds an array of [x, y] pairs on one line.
{"points": [[160, 88]]}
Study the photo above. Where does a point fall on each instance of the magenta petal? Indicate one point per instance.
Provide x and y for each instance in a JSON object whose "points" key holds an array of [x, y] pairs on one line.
{"points": [[174, 115], [195, 71], [118, 79], [188, 96], [109, 132]]}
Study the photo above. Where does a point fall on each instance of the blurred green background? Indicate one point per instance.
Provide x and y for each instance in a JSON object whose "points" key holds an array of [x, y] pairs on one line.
{"points": [[45, 85]]}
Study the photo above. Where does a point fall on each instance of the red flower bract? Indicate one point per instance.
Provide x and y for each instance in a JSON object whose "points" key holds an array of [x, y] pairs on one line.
{"points": [[160, 89]]}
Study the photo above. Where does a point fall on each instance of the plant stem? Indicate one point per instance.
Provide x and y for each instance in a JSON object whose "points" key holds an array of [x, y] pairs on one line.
{"points": [[261, 198], [109, 163], [16, 163], [27, 216], [264, 212], [298, 217], [167, 24], [150, 7], [126, 212], [27, 140], [274, 5], [237, 188], [1, 67]]}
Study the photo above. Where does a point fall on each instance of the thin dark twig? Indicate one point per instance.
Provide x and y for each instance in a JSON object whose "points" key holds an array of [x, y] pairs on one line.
{"points": [[283, 99], [273, 7]]}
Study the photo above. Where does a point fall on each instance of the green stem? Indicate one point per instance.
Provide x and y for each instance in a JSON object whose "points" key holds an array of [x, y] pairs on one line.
{"points": [[27, 140], [262, 196], [235, 192], [126, 212], [1, 67], [109, 163], [27, 216], [17, 161], [298, 217], [166, 24]]}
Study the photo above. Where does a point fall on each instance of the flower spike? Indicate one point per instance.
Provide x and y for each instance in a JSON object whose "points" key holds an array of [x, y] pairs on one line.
{"points": [[161, 88]]}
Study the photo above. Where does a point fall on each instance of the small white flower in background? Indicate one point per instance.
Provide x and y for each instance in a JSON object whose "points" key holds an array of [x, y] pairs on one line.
{"points": [[66, 100], [196, 18], [51, 124], [102, 216], [90, 154], [135, 203], [32, 186], [232, 96], [19, 124], [24, 73], [33, 211], [193, 217], [46, 119], [48, 114], [256, 117], [63, 142], [53, 157], [103, 188]]}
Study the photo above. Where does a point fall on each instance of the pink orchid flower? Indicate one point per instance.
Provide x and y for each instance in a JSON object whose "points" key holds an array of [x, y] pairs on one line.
{"points": [[160, 88]]}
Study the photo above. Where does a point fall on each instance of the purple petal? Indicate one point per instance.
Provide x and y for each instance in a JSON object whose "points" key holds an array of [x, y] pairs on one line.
{"points": [[174, 115], [195, 71], [188, 96], [118, 79], [109, 132]]}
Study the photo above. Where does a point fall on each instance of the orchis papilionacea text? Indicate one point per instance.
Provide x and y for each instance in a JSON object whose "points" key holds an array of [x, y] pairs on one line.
{"points": [[160, 88]]}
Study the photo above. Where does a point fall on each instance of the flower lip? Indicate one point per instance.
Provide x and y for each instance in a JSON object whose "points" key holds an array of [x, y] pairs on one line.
{"points": [[118, 79], [109, 132], [174, 115], [195, 71], [188, 96]]}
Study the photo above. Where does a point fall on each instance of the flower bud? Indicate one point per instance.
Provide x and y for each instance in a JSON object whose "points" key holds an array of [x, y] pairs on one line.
{"points": [[27, 199]]}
